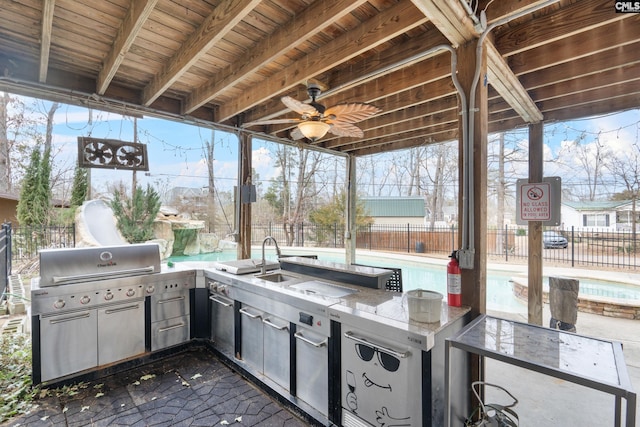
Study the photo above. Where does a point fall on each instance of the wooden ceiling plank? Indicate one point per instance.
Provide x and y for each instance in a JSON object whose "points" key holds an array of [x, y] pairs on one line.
{"points": [[616, 34], [574, 19], [48, 7], [382, 27], [224, 17], [313, 19], [341, 83], [621, 57], [139, 11]]}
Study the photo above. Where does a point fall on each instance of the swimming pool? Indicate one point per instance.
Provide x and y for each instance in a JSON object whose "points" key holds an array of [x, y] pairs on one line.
{"points": [[425, 275]]}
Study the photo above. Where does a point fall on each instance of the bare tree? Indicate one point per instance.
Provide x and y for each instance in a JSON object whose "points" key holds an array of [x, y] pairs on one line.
{"points": [[625, 166], [590, 158]]}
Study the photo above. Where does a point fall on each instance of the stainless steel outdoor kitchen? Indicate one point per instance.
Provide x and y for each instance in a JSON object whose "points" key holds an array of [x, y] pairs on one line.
{"points": [[327, 338]]}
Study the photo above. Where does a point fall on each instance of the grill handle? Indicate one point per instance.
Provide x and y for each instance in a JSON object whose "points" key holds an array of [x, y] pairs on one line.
{"points": [[168, 328], [70, 318], [168, 300], [249, 314], [301, 337], [268, 322], [397, 353], [221, 302], [119, 309], [60, 280]]}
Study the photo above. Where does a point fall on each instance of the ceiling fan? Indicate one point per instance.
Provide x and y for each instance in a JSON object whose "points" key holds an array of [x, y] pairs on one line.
{"points": [[316, 120]]}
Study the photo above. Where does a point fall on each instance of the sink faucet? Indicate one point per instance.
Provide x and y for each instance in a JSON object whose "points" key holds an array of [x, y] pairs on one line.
{"points": [[263, 267]]}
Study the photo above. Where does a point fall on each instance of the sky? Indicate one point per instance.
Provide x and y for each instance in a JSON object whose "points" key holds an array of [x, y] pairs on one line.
{"points": [[176, 150]]}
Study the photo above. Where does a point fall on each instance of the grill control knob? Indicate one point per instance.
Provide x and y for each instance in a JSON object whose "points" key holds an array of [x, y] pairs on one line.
{"points": [[131, 292], [150, 289], [85, 300], [108, 296], [59, 304]]}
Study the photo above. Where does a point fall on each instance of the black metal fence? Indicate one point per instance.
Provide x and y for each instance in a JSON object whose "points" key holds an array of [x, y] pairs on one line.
{"points": [[27, 241], [595, 247], [5, 258], [583, 247]]}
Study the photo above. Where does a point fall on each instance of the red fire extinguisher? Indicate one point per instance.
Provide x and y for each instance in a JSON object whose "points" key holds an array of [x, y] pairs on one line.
{"points": [[454, 281]]}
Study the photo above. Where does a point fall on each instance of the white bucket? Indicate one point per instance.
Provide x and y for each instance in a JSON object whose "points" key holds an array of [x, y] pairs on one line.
{"points": [[424, 306]]}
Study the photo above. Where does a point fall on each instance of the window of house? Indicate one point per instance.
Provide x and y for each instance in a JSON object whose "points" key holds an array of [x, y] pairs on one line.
{"points": [[595, 220]]}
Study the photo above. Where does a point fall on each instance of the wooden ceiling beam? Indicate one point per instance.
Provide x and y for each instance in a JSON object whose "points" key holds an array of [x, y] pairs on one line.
{"points": [[214, 28], [502, 79], [453, 21], [317, 16], [137, 14], [381, 28], [48, 7]]}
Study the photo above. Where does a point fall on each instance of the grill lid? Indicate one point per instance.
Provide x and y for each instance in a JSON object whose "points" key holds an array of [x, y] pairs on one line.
{"points": [[77, 265]]}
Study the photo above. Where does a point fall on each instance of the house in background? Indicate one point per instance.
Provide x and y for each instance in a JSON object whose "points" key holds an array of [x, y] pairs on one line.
{"points": [[9, 208], [598, 215], [396, 210]]}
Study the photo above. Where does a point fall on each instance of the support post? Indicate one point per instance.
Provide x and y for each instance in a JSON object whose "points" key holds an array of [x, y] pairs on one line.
{"points": [[244, 226], [535, 229], [350, 226]]}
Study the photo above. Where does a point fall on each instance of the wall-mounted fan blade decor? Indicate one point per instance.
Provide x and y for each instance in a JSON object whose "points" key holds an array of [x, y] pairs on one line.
{"points": [[111, 154], [316, 120]]}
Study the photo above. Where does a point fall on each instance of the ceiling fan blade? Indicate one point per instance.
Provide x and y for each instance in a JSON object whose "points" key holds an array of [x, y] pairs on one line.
{"points": [[298, 106], [339, 128], [271, 122], [351, 112], [296, 134]]}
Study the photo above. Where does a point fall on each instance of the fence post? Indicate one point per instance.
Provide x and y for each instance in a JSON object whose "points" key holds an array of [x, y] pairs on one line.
{"points": [[302, 233], [573, 247], [408, 238], [370, 237], [506, 242]]}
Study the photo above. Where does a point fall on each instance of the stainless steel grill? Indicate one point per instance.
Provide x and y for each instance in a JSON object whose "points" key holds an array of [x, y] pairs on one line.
{"points": [[89, 310]]}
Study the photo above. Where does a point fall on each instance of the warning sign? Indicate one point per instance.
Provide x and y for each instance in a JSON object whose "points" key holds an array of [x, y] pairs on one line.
{"points": [[538, 201]]}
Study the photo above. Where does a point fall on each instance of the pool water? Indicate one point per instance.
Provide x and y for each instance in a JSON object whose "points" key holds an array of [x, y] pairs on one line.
{"points": [[422, 275]]}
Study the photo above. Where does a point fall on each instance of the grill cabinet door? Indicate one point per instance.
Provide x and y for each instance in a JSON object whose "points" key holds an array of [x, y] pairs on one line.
{"points": [[71, 343]]}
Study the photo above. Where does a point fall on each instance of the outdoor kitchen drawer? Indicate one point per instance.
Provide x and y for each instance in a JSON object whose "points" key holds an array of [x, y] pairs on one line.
{"points": [[169, 304], [166, 333]]}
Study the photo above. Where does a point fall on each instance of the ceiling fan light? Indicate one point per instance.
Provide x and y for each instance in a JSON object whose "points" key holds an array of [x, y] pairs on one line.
{"points": [[313, 129]]}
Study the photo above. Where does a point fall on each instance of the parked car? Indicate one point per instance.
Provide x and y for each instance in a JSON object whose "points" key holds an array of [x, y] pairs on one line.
{"points": [[553, 240]]}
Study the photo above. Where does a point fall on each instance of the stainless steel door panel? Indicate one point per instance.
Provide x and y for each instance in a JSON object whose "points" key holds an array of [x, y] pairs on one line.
{"points": [[169, 304], [71, 343], [120, 332], [252, 337], [277, 350], [222, 324], [166, 333], [312, 367]]}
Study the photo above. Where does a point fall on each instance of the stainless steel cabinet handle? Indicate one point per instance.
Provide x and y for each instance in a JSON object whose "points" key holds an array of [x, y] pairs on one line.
{"points": [[165, 301], [69, 319], [168, 328], [221, 302], [267, 321], [396, 353], [119, 309], [250, 315], [301, 337]]}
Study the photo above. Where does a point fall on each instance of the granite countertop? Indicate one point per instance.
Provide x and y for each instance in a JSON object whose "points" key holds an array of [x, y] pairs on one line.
{"points": [[385, 311]]}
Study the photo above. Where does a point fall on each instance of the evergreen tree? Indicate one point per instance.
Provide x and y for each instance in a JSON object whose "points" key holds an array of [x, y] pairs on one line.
{"points": [[35, 195], [135, 216], [80, 187]]}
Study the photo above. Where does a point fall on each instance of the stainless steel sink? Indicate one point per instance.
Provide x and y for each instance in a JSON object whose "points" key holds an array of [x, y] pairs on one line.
{"points": [[323, 289], [276, 277]]}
